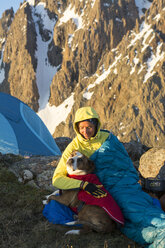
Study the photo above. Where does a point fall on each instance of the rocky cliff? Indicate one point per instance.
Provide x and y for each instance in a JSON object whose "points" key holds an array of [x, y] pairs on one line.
{"points": [[106, 54]]}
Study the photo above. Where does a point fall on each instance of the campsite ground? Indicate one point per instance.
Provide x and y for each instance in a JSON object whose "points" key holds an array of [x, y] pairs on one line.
{"points": [[22, 224]]}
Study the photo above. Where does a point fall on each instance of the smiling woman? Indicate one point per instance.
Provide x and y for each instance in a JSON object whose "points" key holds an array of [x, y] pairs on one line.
{"points": [[87, 129]]}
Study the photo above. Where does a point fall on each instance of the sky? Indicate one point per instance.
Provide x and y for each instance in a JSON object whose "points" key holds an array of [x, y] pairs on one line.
{"points": [[7, 4]]}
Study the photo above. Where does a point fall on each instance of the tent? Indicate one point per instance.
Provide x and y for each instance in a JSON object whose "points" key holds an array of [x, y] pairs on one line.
{"points": [[22, 131]]}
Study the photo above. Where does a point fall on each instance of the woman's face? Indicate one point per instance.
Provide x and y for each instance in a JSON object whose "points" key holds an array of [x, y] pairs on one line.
{"points": [[86, 129]]}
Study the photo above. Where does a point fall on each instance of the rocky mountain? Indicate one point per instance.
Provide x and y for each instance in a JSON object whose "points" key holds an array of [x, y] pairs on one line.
{"points": [[57, 56]]}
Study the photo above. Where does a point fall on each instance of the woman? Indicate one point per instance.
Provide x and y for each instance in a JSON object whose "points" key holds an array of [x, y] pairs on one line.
{"points": [[89, 138], [144, 222]]}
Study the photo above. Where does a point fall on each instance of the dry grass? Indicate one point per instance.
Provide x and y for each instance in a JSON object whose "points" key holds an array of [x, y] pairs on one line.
{"points": [[22, 224]]}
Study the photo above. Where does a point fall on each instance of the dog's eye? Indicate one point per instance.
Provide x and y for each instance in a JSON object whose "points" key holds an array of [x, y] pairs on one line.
{"points": [[80, 159], [71, 160]]}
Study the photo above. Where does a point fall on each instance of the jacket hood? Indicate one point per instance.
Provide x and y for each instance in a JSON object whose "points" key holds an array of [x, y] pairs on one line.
{"points": [[85, 113]]}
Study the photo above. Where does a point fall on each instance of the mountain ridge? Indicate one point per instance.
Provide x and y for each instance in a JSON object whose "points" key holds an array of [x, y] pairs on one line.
{"points": [[106, 54]]}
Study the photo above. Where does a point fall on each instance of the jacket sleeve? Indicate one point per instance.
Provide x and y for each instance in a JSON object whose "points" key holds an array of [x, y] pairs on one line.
{"points": [[60, 179]]}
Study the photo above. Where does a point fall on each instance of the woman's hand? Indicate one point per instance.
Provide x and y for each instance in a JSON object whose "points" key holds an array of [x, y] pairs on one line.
{"points": [[93, 189]]}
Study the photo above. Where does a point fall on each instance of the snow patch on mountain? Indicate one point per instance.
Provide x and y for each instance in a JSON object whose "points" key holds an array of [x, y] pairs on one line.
{"points": [[141, 5], [68, 14], [87, 94], [45, 72], [152, 61], [52, 116], [31, 2]]}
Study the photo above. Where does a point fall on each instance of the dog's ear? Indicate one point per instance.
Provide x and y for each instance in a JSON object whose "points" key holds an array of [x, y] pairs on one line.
{"points": [[73, 153], [91, 166]]}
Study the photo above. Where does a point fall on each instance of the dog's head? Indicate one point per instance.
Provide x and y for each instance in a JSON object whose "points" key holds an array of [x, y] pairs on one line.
{"points": [[79, 164]]}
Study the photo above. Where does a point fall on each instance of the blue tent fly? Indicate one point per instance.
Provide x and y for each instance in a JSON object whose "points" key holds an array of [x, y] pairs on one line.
{"points": [[22, 131]]}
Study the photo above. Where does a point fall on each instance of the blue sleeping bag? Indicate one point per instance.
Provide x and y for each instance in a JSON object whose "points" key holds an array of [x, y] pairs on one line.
{"points": [[144, 220], [58, 213]]}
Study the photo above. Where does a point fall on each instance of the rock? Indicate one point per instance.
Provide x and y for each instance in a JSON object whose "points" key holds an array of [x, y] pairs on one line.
{"points": [[152, 163], [62, 142], [44, 180], [19, 58], [33, 184], [8, 159], [135, 149], [25, 176]]}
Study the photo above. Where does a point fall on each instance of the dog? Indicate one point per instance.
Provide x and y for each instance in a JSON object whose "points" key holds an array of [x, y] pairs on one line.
{"points": [[92, 217]]}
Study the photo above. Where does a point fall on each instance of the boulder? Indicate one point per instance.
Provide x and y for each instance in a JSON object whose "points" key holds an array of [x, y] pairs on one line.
{"points": [[152, 163]]}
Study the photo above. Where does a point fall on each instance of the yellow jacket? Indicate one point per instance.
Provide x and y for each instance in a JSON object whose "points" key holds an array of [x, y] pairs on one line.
{"points": [[86, 147]]}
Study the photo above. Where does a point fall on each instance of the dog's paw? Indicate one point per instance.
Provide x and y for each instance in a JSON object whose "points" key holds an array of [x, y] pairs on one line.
{"points": [[57, 192], [73, 232], [44, 202], [71, 223]]}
